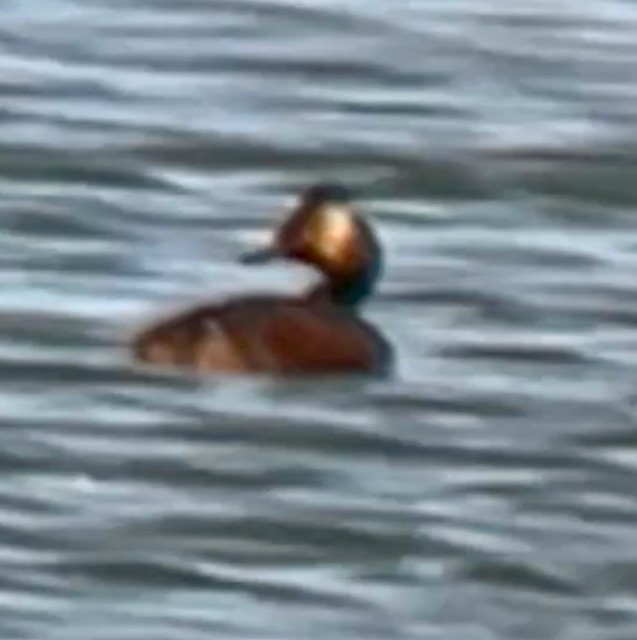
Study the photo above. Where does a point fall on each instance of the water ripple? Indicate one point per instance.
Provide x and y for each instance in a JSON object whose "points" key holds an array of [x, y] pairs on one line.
{"points": [[486, 490]]}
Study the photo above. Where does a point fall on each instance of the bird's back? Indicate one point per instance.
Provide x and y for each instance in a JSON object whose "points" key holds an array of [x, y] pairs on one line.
{"points": [[265, 334]]}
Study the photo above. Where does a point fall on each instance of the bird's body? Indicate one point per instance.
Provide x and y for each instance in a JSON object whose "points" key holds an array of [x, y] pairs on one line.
{"points": [[315, 333]]}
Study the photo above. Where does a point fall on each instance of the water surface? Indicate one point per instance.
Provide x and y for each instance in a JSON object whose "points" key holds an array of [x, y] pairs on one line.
{"points": [[485, 491]]}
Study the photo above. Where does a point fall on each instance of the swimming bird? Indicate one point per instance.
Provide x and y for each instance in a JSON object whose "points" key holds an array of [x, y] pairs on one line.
{"points": [[316, 332]]}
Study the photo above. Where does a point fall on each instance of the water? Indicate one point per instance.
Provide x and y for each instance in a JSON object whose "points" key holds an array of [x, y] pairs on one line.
{"points": [[488, 489]]}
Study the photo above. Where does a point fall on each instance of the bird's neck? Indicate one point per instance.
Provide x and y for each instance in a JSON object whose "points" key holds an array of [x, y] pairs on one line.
{"points": [[347, 293]]}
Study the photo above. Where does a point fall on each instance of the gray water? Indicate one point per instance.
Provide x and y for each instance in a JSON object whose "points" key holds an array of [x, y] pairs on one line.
{"points": [[488, 489]]}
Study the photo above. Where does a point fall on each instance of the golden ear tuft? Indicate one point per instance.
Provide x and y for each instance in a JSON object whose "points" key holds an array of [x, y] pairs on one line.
{"points": [[337, 230]]}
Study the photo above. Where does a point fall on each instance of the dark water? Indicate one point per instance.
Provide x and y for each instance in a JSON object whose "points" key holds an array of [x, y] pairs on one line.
{"points": [[488, 490]]}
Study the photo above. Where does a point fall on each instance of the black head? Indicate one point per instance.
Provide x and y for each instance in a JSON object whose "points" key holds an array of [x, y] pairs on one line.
{"points": [[326, 192], [324, 230]]}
